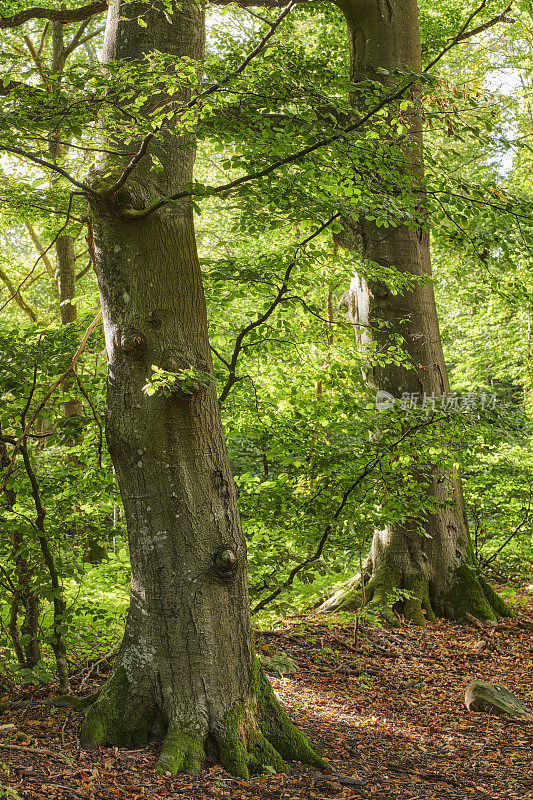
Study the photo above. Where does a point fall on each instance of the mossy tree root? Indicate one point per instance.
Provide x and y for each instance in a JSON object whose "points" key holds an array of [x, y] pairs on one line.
{"points": [[469, 593], [348, 597], [253, 735], [183, 751], [374, 593], [61, 701], [119, 717], [259, 734]]}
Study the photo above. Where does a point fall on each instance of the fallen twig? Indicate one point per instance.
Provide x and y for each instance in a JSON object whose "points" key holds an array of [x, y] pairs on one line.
{"points": [[39, 750], [346, 645], [426, 776], [475, 621]]}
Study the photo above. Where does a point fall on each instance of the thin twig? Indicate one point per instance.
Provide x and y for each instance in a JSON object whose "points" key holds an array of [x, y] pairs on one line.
{"points": [[49, 165], [95, 415], [486, 561], [43, 254]]}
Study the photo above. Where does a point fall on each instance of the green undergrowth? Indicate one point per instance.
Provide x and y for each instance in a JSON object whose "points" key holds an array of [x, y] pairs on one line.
{"points": [[96, 613]]}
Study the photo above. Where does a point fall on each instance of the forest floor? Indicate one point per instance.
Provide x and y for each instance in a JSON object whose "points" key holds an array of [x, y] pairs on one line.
{"points": [[387, 711]]}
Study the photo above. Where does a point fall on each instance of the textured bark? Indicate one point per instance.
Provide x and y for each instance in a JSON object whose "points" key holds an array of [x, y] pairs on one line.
{"points": [[186, 670], [437, 569]]}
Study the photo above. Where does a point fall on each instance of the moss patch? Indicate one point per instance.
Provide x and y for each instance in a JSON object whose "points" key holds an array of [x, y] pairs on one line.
{"points": [[107, 721], [419, 601], [289, 742], [466, 595], [183, 751]]}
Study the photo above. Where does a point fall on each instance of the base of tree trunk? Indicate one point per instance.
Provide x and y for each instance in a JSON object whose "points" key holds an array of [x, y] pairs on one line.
{"points": [[410, 592], [252, 735]]}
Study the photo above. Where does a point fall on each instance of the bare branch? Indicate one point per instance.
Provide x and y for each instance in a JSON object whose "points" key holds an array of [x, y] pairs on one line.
{"points": [[75, 41], [87, 38], [486, 25], [141, 152], [42, 255], [255, 52], [44, 34], [36, 59], [17, 296], [463, 33], [95, 415], [40, 248]]}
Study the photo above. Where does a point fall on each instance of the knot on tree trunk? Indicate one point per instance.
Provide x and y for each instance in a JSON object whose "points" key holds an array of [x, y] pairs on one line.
{"points": [[225, 564], [132, 342]]}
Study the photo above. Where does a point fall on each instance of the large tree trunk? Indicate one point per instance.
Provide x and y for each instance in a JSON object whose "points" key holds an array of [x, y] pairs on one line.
{"points": [[186, 669], [437, 568]]}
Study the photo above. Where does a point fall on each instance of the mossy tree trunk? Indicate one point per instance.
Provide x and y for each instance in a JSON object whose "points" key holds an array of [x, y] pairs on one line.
{"points": [[437, 568], [186, 670]]}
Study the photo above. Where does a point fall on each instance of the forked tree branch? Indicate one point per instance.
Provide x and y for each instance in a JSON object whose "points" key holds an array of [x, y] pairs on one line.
{"points": [[239, 341]]}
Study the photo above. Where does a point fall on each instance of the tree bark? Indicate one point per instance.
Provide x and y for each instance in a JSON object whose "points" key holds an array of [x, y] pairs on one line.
{"points": [[437, 568], [186, 670]]}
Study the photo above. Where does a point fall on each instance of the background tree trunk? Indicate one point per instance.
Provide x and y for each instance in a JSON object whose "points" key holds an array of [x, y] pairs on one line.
{"points": [[28, 651], [64, 245], [186, 669], [436, 568]]}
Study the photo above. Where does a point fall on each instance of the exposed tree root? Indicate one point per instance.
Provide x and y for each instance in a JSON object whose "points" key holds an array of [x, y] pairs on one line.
{"points": [[409, 592], [182, 751], [61, 701], [253, 734]]}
